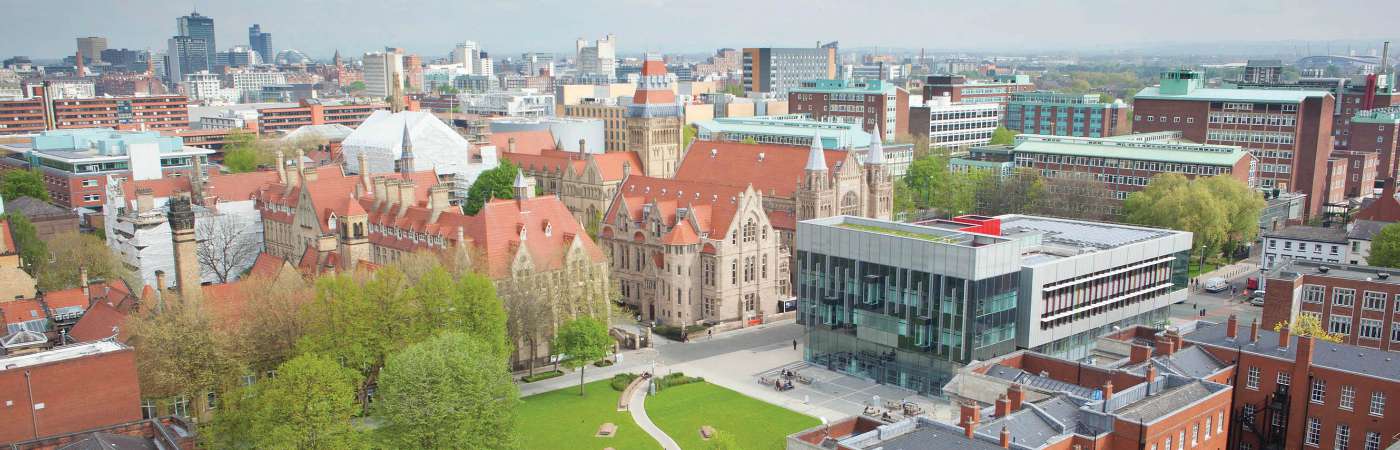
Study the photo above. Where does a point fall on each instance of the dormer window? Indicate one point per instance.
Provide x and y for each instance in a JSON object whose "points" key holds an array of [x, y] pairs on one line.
{"points": [[330, 222], [548, 229]]}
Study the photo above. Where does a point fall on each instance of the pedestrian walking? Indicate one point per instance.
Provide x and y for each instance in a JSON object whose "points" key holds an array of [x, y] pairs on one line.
{"points": [[794, 344], [711, 333]]}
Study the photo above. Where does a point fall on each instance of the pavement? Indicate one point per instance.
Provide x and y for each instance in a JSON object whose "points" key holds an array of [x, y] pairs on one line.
{"points": [[637, 406], [1219, 306]]}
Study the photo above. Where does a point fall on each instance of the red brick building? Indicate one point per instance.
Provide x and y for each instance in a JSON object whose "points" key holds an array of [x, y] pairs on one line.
{"points": [[1296, 393], [1361, 168], [1334, 193], [41, 112], [68, 389], [1377, 131], [170, 433], [76, 163], [879, 106], [960, 90], [1290, 132], [313, 112], [1352, 301]]}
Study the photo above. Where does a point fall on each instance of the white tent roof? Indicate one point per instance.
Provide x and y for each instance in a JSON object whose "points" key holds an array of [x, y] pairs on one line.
{"points": [[436, 146]]}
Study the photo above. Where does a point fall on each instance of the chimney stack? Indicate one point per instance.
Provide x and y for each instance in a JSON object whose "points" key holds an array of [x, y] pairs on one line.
{"points": [[1283, 335], [1107, 394], [160, 283], [437, 201], [1151, 375], [1003, 406], [281, 167], [1232, 328], [1177, 341], [968, 416], [377, 187], [364, 170], [1005, 437], [1016, 395], [1164, 346], [581, 147], [510, 145], [1139, 354], [1254, 331], [1305, 351], [181, 219], [83, 281], [145, 200], [391, 194], [408, 196]]}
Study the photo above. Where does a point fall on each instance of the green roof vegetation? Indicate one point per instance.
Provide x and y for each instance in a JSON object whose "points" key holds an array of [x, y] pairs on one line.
{"points": [[901, 233]]}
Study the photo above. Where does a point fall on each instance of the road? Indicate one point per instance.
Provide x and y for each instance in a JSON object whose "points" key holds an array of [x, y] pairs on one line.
{"points": [[1219, 306]]}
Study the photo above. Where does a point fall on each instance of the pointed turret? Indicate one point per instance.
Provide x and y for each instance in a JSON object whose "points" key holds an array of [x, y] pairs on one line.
{"points": [[406, 157], [876, 155], [523, 188], [816, 156]]}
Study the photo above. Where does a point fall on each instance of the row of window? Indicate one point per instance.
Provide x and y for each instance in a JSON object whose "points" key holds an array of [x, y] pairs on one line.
{"points": [[1252, 119], [1346, 297], [1249, 136], [1313, 436], [1197, 437]]}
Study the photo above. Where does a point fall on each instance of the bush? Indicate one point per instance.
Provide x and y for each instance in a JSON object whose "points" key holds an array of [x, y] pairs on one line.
{"points": [[674, 332], [676, 379], [541, 376], [622, 380], [602, 363]]}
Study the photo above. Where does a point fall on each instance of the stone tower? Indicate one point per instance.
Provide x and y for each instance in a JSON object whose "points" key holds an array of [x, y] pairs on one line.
{"points": [[405, 163], [181, 219], [815, 193], [654, 122], [879, 185]]}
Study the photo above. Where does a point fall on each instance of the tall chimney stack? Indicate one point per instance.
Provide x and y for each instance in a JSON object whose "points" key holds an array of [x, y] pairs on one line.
{"points": [[181, 218], [1016, 395], [1232, 326], [968, 417], [1283, 334], [1254, 331]]}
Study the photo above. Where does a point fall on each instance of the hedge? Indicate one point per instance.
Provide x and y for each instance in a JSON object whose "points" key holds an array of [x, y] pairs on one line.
{"points": [[622, 380], [541, 376]]}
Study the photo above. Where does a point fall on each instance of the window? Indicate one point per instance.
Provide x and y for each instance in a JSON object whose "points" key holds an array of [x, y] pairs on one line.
{"points": [[1168, 444], [1311, 293], [1348, 397], [89, 183], [1251, 381], [1284, 378], [148, 409], [1208, 421], [1339, 324], [1248, 413], [1181, 440], [1195, 435], [1395, 332], [1370, 329], [1378, 403], [1319, 391], [1373, 301], [1343, 297], [1220, 422], [734, 272], [180, 406], [92, 197], [1343, 437], [1373, 440], [211, 400], [1314, 432]]}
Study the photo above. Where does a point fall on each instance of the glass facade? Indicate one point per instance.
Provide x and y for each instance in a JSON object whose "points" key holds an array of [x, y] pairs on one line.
{"points": [[901, 326]]}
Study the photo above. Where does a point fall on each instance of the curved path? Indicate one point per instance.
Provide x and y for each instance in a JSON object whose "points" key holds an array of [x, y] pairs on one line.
{"points": [[637, 406]]}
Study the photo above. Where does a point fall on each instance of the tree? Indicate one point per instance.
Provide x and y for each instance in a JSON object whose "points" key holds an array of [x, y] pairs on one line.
{"points": [[358, 322], [308, 405], [1080, 196], [1003, 136], [1309, 325], [449, 391], [281, 306], [227, 247], [358, 86], [1017, 193], [71, 252], [1242, 206], [736, 90], [498, 182], [1171, 201], [243, 152], [582, 341], [33, 252], [1385, 247], [23, 183], [748, 140], [687, 135], [177, 350]]}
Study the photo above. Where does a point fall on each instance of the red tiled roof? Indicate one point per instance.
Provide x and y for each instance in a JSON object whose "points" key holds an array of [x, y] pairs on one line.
{"points": [[25, 310], [610, 165], [496, 231], [736, 163], [653, 96], [9, 240], [1385, 208], [97, 323], [526, 142], [680, 235], [266, 266], [712, 205]]}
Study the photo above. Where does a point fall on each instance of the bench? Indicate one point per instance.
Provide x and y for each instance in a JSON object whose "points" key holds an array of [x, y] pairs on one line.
{"points": [[607, 430], [707, 432], [804, 380]]}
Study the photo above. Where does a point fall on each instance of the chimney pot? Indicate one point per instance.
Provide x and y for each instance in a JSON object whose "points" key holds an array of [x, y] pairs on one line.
{"points": [[1254, 331], [1016, 395], [1003, 406], [1283, 335], [1005, 437], [1232, 327], [1305, 351]]}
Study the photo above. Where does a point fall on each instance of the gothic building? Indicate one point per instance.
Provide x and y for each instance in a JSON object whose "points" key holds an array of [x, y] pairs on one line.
{"points": [[654, 122], [690, 252], [585, 182]]}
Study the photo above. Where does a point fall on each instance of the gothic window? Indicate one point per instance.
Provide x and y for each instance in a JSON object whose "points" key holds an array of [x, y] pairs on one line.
{"points": [[749, 268], [750, 230], [733, 272]]}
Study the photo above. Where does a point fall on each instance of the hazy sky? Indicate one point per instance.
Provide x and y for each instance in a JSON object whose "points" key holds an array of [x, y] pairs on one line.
{"points": [[46, 28]]}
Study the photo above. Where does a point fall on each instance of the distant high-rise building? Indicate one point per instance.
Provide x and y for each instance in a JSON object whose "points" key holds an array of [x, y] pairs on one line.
{"points": [[778, 70], [200, 27], [125, 59], [380, 69], [92, 47], [532, 63], [465, 53], [186, 55], [483, 65], [599, 58], [261, 42], [238, 56], [1263, 71]]}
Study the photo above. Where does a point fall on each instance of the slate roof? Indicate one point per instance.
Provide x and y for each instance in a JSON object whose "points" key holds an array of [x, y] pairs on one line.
{"points": [[1038, 382], [1349, 358], [109, 441], [34, 208], [1193, 362], [1310, 234], [1365, 229], [1158, 405], [927, 438]]}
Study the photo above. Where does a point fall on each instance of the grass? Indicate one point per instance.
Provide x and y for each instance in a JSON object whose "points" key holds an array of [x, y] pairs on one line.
{"points": [[681, 410], [901, 233], [561, 419]]}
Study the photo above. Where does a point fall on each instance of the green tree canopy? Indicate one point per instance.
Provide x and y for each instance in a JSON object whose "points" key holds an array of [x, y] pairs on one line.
{"points": [[358, 86], [243, 152], [308, 405], [1003, 136], [582, 341], [177, 351], [23, 183], [71, 253], [1171, 201], [1385, 247], [33, 252], [499, 182], [449, 391]]}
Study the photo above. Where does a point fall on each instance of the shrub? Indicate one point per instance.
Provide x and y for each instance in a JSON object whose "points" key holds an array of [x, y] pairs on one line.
{"points": [[621, 380], [602, 363], [676, 379], [541, 376]]}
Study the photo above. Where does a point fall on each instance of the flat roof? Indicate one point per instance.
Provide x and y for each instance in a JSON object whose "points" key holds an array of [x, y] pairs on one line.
{"points": [[1231, 95], [1080, 233], [1387, 115], [60, 354], [1125, 148], [1294, 267]]}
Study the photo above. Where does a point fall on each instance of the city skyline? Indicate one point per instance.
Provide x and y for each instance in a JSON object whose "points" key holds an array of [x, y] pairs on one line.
{"points": [[649, 25]]}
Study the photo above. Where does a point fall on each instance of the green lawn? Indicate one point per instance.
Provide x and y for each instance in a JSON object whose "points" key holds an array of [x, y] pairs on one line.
{"points": [[563, 420], [680, 411]]}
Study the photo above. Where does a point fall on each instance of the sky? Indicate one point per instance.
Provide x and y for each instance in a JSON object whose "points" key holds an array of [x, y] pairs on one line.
{"points": [[47, 28]]}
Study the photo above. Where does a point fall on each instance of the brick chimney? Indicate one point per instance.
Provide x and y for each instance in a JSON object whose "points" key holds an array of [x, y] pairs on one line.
{"points": [[1232, 327], [408, 196], [83, 282], [377, 185], [1254, 331], [968, 416], [182, 226], [160, 283], [364, 171], [1005, 437], [1283, 335], [1164, 346], [1107, 394], [391, 195], [1016, 395], [1151, 375], [510, 145], [281, 167], [437, 201], [1305, 351], [1139, 354], [1177, 341], [1003, 406]]}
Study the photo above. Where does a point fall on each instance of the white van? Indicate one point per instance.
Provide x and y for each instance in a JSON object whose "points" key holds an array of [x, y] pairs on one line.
{"points": [[1216, 284]]}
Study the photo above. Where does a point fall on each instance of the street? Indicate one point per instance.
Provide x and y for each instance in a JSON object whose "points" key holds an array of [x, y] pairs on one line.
{"points": [[1219, 306]]}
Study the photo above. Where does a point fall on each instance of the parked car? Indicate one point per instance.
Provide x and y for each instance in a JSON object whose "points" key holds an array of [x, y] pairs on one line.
{"points": [[1256, 298], [1216, 284]]}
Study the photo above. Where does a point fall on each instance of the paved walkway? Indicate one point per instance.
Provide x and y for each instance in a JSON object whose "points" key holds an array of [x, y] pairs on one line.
{"points": [[637, 406]]}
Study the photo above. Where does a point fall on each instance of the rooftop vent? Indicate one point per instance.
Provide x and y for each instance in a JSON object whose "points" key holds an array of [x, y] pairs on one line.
{"points": [[760, 156], [714, 152]]}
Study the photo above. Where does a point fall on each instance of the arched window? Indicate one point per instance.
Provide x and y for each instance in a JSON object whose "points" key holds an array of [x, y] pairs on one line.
{"points": [[750, 230]]}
